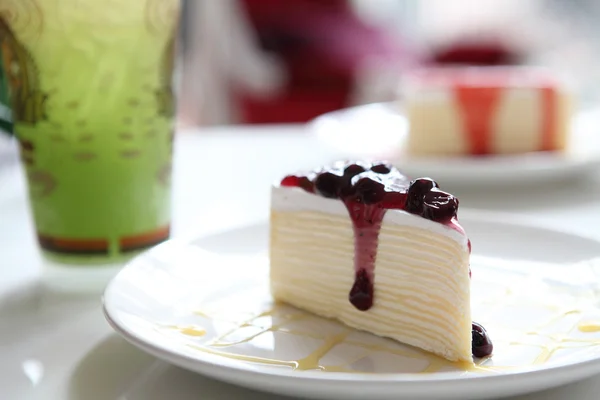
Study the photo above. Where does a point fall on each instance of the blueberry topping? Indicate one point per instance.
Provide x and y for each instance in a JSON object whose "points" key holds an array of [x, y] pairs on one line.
{"points": [[347, 191], [353, 169], [369, 189], [381, 168], [298, 181], [290, 180], [481, 346], [328, 185], [439, 206], [305, 183], [361, 294], [416, 191]]}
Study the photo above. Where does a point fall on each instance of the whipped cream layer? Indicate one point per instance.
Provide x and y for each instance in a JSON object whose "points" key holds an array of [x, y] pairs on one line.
{"points": [[421, 275], [295, 199]]}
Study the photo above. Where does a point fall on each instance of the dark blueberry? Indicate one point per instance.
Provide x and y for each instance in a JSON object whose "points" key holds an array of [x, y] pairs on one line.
{"points": [[369, 190], [481, 346], [353, 169], [328, 185], [361, 294], [439, 206], [416, 191], [381, 168]]}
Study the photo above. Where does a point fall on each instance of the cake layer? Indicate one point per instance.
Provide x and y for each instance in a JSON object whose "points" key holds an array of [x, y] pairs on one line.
{"points": [[486, 111], [421, 276]]}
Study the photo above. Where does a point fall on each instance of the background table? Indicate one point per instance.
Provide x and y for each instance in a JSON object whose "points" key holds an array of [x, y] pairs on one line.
{"points": [[56, 345]]}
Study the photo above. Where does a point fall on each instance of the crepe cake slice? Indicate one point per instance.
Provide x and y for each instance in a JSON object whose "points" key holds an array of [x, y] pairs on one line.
{"points": [[361, 243]]}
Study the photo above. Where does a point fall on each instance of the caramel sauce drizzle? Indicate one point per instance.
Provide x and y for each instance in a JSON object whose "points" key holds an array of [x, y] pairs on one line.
{"points": [[560, 341], [218, 346], [581, 332]]}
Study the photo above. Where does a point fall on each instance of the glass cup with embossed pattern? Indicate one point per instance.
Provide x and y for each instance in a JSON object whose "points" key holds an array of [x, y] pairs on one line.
{"points": [[92, 104]]}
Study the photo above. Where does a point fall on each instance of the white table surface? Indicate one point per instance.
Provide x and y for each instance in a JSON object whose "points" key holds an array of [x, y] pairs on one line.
{"points": [[57, 346]]}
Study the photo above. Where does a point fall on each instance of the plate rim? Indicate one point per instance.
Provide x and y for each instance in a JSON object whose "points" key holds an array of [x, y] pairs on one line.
{"points": [[215, 366]]}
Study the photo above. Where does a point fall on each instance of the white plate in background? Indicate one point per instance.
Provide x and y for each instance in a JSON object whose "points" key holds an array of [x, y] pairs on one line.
{"points": [[379, 131], [205, 306]]}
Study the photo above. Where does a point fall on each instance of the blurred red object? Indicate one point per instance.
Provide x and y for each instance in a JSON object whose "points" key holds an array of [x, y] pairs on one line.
{"points": [[473, 52], [321, 43]]}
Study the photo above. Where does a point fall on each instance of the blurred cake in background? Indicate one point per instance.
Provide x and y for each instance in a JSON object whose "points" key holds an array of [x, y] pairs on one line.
{"points": [[485, 110], [476, 51]]}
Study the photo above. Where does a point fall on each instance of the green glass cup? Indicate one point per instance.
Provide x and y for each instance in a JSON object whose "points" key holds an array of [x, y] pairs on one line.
{"points": [[90, 86]]}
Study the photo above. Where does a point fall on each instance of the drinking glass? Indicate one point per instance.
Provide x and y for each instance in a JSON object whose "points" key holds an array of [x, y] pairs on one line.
{"points": [[90, 87]]}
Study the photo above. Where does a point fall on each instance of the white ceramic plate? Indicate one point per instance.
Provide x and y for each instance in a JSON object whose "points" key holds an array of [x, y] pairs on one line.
{"points": [[204, 305], [379, 131]]}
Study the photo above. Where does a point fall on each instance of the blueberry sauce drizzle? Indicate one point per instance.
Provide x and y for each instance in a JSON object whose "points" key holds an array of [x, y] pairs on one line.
{"points": [[368, 191]]}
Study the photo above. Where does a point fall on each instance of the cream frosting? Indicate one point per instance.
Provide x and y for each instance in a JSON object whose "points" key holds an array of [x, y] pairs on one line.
{"points": [[296, 199]]}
